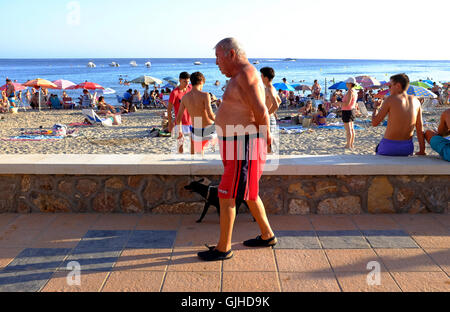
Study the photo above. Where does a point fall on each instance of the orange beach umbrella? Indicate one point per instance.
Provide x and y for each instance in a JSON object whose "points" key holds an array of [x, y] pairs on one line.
{"points": [[40, 83]]}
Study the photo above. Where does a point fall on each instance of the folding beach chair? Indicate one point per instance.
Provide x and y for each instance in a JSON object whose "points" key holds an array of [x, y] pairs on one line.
{"points": [[363, 109], [94, 119]]}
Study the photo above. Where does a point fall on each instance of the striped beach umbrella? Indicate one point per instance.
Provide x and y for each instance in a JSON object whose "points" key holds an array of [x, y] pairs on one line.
{"points": [[63, 84], [368, 82]]}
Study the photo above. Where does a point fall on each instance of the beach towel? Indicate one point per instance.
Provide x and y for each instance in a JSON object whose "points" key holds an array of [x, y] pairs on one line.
{"points": [[34, 138], [292, 130]]}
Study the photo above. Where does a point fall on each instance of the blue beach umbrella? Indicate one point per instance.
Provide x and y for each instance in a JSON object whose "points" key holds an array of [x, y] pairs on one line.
{"points": [[428, 81], [338, 86], [419, 92], [283, 86]]}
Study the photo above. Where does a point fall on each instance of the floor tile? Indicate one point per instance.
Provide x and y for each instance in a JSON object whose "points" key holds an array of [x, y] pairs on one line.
{"points": [[250, 282], [309, 282], [7, 255], [134, 281], [92, 259], [297, 240], [352, 260], [58, 238], [95, 239], [38, 259], [151, 239], [375, 222], [192, 282], [158, 222], [7, 218], [63, 282], [144, 260], [24, 281], [441, 257], [312, 261], [251, 260], [422, 281], [359, 282], [389, 239], [118, 221], [11, 236], [431, 239], [332, 223], [342, 240], [186, 260], [407, 260], [33, 221], [290, 223], [195, 236]]}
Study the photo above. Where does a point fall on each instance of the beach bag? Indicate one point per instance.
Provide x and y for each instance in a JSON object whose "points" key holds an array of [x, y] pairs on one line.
{"points": [[59, 130], [306, 122]]}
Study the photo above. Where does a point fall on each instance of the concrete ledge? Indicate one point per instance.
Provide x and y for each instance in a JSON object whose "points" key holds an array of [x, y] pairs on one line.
{"points": [[212, 165]]}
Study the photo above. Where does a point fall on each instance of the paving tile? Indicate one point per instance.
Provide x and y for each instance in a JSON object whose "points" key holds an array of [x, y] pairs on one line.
{"points": [[118, 221], [443, 219], [332, 223], [158, 222], [24, 281], [11, 236], [251, 260], [431, 238], [352, 260], [250, 282], [441, 257], [358, 282], [407, 260], [143, 260], [62, 282], [297, 240], [33, 221], [375, 222], [290, 223], [417, 222], [134, 281], [7, 255], [92, 259], [58, 238], [7, 218], [311, 261], [192, 282], [389, 239], [104, 239], [186, 260], [309, 282], [38, 259], [342, 240], [74, 221], [151, 239], [196, 236], [422, 281]]}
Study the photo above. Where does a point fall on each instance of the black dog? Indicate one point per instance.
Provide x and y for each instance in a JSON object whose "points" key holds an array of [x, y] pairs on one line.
{"points": [[211, 194]]}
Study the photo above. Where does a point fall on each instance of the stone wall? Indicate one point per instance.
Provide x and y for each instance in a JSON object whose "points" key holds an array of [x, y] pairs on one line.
{"points": [[280, 194]]}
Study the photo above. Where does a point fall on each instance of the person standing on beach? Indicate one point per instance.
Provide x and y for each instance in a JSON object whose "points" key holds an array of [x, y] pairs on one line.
{"points": [[174, 104], [242, 124], [10, 92], [273, 101], [198, 105], [404, 114], [348, 107], [316, 88]]}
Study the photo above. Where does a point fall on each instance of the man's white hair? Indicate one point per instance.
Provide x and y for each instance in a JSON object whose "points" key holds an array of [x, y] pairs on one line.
{"points": [[229, 44]]}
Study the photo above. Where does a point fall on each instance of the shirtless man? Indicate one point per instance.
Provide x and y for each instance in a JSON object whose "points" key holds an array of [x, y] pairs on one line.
{"points": [[436, 139], [273, 101], [10, 92], [242, 124], [198, 105], [405, 114]]}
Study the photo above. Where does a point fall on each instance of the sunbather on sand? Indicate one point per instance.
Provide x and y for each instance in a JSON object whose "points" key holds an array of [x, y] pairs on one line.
{"points": [[307, 109], [320, 118], [103, 107]]}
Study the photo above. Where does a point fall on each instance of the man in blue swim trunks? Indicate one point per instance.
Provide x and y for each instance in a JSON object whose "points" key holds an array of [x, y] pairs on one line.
{"points": [[436, 139], [405, 115]]}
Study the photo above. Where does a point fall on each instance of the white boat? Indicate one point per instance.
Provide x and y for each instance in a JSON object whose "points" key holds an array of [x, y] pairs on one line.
{"points": [[197, 63], [133, 63], [256, 62], [148, 64], [91, 65], [114, 64]]}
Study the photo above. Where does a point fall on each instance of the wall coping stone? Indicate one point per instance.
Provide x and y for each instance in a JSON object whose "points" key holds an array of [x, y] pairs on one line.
{"points": [[151, 164]]}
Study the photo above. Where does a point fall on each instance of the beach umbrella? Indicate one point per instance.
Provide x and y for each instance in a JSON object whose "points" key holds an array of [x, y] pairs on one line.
{"points": [[17, 87], [87, 85], [173, 81], [381, 94], [419, 92], [368, 82], [422, 84], [38, 84], [147, 80], [342, 86], [300, 87], [63, 84], [283, 86], [428, 81]]}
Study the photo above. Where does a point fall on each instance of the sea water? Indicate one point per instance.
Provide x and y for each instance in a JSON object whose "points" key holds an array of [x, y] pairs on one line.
{"points": [[305, 71]]}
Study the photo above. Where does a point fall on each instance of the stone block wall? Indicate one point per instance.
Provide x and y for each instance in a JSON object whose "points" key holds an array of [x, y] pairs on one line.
{"points": [[280, 194]]}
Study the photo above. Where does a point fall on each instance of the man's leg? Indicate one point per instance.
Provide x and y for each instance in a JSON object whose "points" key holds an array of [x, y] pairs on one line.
{"points": [[227, 217], [259, 213]]}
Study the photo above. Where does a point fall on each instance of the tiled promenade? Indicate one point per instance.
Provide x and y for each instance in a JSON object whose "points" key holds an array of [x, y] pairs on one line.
{"points": [[157, 253]]}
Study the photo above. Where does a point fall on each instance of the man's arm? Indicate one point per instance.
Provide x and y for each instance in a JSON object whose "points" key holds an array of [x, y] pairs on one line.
{"points": [[274, 100], [420, 134], [208, 108], [378, 116], [443, 129], [179, 118], [169, 112]]}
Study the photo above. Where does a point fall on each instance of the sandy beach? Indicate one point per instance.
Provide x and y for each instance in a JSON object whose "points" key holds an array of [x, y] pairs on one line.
{"points": [[132, 137]]}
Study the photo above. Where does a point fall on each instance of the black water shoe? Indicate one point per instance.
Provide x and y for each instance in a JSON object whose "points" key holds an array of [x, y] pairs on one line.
{"points": [[259, 242], [214, 255]]}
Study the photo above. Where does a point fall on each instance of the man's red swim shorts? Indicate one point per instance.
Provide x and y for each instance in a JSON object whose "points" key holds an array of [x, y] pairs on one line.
{"points": [[243, 159]]}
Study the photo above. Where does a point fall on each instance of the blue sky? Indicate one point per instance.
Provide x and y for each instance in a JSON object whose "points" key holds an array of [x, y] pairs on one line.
{"points": [[382, 29]]}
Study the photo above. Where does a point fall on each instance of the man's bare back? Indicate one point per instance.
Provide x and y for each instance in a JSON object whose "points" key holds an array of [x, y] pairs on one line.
{"points": [[198, 105], [238, 107], [404, 113]]}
